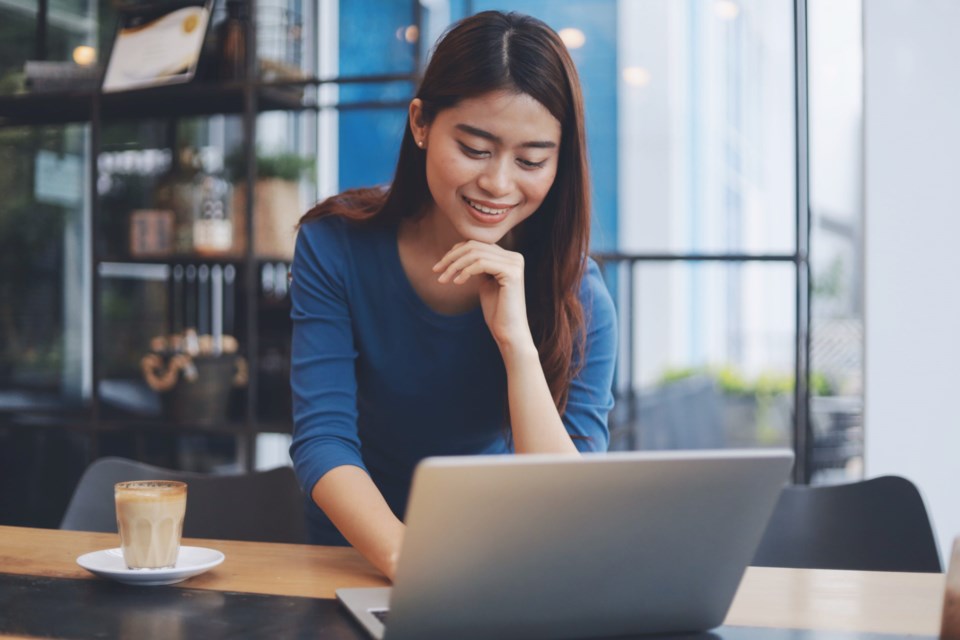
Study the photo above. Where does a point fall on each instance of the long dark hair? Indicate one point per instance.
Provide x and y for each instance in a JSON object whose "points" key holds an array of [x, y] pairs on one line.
{"points": [[495, 51]]}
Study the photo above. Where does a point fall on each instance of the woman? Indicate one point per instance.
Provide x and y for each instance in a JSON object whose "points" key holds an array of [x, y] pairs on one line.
{"points": [[455, 312]]}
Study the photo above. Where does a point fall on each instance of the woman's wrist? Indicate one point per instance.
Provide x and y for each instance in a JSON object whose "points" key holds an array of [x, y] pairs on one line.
{"points": [[518, 350]]}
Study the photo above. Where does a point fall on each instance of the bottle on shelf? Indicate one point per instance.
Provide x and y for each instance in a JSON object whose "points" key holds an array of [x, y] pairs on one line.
{"points": [[232, 42], [201, 201], [175, 191]]}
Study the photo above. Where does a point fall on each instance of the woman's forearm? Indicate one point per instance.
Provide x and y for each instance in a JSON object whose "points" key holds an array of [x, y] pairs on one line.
{"points": [[536, 425], [356, 507]]}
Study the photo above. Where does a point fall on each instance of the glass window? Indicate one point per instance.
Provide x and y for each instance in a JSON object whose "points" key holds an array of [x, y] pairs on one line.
{"points": [[377, 37], [836, 253], [706, 126], [369, 144], [399, 92], [44, 333], [709, 362]]}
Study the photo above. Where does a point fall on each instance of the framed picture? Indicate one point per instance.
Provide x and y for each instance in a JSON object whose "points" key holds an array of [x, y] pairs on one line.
{"points": [[157, 48]]}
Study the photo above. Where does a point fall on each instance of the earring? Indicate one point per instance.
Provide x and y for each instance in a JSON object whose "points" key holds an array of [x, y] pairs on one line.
{"points": [[420, 143]]}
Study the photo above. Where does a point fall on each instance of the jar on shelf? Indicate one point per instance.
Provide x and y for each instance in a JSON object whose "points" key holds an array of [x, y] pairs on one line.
{"points": [[212, 225]]}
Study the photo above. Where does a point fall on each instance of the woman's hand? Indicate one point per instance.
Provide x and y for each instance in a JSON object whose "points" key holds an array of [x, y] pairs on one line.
{"points": [[501, 288]]}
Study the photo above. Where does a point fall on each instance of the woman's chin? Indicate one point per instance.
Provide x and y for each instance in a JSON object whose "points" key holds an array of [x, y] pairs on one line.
{"points": [[489, 235]]}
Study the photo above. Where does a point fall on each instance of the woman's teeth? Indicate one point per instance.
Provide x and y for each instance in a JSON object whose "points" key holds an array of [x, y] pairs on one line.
{"points": [[486, 210]]}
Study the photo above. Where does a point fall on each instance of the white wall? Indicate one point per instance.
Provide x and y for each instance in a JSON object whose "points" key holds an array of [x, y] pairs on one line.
{"points": [[912, 145]]}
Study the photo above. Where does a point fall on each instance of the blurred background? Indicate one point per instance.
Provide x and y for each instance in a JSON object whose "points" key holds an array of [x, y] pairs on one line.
{"points": [[730, 149]]}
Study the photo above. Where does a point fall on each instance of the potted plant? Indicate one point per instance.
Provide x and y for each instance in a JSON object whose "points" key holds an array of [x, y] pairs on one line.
{"points": [[277, 205]]}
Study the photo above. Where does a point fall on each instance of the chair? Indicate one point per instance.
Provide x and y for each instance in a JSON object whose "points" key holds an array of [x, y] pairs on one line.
{"points": [[873, 525], [265, 506], [685, 414]]}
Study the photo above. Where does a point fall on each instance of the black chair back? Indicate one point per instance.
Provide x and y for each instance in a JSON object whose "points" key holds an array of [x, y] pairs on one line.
{"points": [[879, 524], [264, 506]]}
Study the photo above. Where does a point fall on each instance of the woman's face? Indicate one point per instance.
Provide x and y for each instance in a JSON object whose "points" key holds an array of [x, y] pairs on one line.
{"points": [[491, 161]]}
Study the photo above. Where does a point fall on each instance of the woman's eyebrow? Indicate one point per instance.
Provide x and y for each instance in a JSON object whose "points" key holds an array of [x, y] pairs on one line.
{"points": [[480, 133]]}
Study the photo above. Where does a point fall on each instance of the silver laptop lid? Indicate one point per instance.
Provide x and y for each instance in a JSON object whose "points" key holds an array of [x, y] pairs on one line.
{"points": [[547, 546]]}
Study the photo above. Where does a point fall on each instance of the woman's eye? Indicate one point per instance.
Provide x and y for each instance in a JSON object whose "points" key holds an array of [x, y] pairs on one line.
{"points": [[470, 151], [526, 164]]}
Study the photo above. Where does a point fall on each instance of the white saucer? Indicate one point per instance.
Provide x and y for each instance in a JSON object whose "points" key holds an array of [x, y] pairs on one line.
{"points": [[108, 563]]}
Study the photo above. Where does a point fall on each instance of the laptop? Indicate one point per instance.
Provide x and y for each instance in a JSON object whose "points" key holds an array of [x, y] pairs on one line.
{"points": [[559, 546]]}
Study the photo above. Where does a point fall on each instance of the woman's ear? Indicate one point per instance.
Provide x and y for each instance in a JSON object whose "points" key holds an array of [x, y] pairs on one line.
{"points": [[417, 126]]}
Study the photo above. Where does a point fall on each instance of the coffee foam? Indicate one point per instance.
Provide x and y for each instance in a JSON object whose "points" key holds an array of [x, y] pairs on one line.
{"points": [[149, 496]]}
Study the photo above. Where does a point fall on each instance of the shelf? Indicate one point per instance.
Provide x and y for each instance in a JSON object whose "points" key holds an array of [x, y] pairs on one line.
{"points": [[161, 102], [20, 402], [185, 258], [82, 423]]}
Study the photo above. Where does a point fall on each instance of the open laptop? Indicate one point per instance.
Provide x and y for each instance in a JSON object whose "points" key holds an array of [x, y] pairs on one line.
{"points": [[554, 546]]}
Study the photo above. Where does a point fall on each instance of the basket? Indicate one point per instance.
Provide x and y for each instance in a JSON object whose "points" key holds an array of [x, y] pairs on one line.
{"points": [[201, 385]]}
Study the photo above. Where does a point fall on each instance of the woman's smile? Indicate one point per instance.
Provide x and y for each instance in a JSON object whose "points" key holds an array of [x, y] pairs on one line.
{"points": [[487, 212]]}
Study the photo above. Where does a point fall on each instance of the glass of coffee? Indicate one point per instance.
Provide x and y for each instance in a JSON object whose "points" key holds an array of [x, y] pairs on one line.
{"points": [[150, 520]]}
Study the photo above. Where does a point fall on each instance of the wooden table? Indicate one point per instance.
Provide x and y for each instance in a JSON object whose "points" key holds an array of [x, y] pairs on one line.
{"points": [[855, 601], [250, 567]]}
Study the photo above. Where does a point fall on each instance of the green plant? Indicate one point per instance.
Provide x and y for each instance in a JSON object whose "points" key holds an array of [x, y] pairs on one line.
{"points": [[284, 166], [732, 382], [728, 379], [12, 82]]}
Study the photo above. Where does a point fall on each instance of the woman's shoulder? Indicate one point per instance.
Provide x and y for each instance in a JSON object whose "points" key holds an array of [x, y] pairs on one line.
{"points": [[592, 282], [324, 236], [324, 226], [342, 245], [339, 230], [594, 295]]}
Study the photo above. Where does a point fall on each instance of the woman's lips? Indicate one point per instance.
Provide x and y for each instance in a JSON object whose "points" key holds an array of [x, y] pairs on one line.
{"points": [[487, 212]]}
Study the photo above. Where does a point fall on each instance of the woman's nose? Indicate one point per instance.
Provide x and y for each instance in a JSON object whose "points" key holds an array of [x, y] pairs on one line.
{"points": [[495, 178]]}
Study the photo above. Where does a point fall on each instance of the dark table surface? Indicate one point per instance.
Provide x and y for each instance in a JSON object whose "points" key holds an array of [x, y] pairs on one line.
{"points": [[70, 608]]}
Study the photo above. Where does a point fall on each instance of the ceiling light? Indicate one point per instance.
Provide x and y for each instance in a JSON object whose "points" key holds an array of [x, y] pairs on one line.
{"points": [[726, 9], [84, 55], [636, 76], [573, 38], [410, 33]]}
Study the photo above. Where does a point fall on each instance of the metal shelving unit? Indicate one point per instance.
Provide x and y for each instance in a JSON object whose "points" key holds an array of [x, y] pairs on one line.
{"points": [[246, 98]]}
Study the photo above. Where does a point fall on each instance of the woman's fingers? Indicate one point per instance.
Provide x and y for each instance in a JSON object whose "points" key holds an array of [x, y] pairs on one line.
{"points": [[461, 249], [471, 265], [481, 260], [455, 251], [501, 292], [483, 265]]}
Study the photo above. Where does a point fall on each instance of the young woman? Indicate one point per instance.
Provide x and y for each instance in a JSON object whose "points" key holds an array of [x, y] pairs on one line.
{"points": [[455, 312]]}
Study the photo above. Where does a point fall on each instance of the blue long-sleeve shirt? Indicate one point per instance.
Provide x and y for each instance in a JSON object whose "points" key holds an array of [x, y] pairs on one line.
{"points": [[381, 381]]}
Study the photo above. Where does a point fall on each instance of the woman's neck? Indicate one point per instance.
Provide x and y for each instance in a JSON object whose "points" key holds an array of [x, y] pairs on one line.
{"points": [[431, 234]]}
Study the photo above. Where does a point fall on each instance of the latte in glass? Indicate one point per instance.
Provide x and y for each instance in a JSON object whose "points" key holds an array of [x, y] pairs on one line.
{"points": [[150, 521]]}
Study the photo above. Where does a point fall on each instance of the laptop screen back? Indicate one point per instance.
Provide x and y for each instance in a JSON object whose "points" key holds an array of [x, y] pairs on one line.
{"points": [[540, 546]]}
